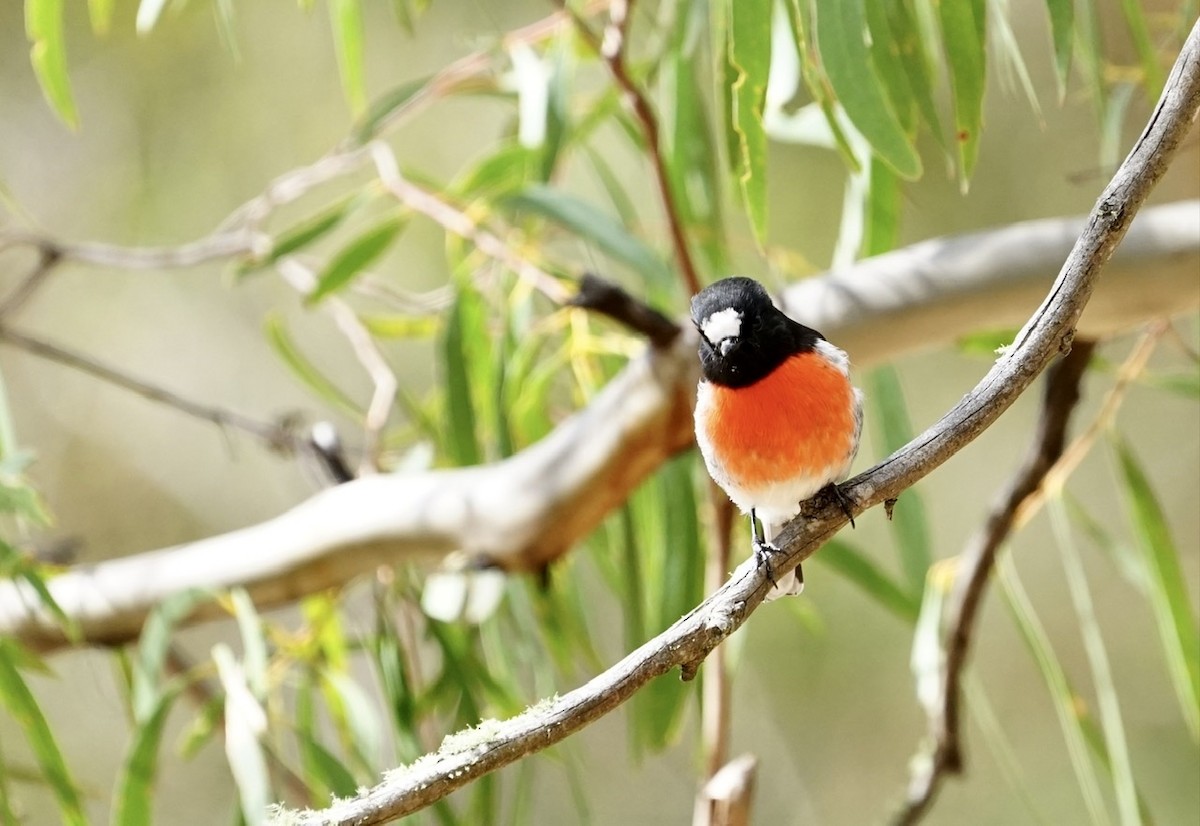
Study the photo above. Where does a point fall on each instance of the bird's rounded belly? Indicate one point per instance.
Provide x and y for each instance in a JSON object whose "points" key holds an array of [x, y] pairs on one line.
{"points": [[794, 428]]}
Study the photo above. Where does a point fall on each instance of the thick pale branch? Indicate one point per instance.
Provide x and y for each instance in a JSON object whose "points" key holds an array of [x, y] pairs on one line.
{"points": [[1049, 331], [944, 288], [593, 460]]}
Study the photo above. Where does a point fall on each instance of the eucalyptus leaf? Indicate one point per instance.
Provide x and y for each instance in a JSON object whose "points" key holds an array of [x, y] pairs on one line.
{"points": [[964, 36], [590, 224], [48, 54], [133, 803], [24, 710], [748, 52], [842, 39], [346, 17], [355, 257], [1168, 586], [308, 373]]}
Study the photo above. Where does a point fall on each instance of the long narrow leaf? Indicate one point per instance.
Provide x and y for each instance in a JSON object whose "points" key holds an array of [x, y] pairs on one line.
{"points": [[324, 773], [133, 803], [1139, 33], [16, 697], [842, 39], [48, 53], [462, 435], [919, 64], [691, 153], [800, 17], [100, 12], [1168, 591], [1093, 642], [1066, 702], [748, 51], [346, 16], [876, 583], [285, 346], [981, 711], [308, 231], [385, 107], [893, 430], [1090, 50], [881, 216], [354, 258], [245, 721], [964, 30], [1062, 28], [888, 63], [589, 223], [254, 643], [155, 640]]}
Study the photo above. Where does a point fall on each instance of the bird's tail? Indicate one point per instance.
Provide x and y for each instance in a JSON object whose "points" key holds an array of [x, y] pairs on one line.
{"points": [[786, 585]]}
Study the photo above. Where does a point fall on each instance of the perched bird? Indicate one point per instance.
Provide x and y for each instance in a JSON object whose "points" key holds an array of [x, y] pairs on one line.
{"points": [[777, 418]]}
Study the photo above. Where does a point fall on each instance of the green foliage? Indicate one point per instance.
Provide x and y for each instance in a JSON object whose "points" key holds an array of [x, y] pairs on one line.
{"points": [[48, 53], [888, 415], [748, 60], [841, 29], [355, 257], [348, 35], [592, 226], [1068, 705], [1168, 588], [20, 703], [335, 698], [964, 33]]}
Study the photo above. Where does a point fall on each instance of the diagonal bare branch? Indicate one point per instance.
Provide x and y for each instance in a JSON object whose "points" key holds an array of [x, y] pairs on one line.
{"points": [[278, 435]]}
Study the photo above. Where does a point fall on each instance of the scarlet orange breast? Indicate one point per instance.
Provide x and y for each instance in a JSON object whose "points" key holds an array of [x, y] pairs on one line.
{"points": [[798, 420]]}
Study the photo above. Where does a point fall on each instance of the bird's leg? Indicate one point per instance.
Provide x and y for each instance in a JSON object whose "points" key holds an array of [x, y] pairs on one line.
{"points": [[762, 548], [843, 501]]}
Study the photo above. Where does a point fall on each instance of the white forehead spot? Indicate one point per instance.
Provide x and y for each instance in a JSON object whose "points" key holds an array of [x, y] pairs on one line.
{"points": [[722, 324]]}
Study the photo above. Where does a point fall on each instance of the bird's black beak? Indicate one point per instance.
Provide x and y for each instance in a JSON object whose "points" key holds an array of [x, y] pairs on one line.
{"points": [[727, 345]]}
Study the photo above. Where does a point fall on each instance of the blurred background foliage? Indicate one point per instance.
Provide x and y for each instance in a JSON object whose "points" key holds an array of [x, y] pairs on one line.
{"points": [[791, 137]]}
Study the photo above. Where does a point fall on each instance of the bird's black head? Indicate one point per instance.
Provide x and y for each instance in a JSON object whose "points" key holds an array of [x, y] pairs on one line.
{"points": [[743, 336]]}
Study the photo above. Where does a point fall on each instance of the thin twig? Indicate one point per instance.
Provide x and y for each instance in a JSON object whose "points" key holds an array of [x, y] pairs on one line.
{"points": [[15, 300], [1059, 400], [1056, 477], [383, 398], [715, 695], [398, 298], [1184, 345], [457, 222], [219, 246], [607, 298], [276, 436], [612, 49]]}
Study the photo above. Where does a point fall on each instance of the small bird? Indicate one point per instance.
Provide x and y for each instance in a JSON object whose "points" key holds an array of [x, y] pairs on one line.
{"points": [[777, 419]]}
